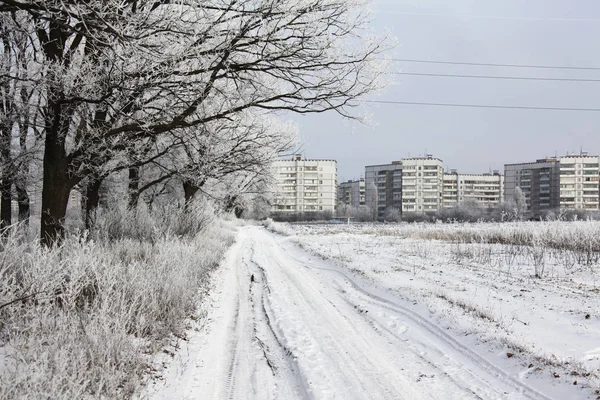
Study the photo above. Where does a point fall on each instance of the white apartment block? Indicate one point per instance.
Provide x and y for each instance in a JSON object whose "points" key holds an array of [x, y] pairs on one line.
{"points": [[305, 185], [422, 184], [579, 182], [485, 189]]}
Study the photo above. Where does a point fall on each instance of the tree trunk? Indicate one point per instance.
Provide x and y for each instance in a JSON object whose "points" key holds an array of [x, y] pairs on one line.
{"points": [[23, 200], [5, 205], [134, 188], [55, 193], [57, 183], [189, 190], [6, 177], [233, 205], [91, 201]]}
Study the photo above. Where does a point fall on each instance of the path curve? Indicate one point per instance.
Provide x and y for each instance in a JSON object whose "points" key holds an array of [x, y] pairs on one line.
{"points": [[291, 326]]}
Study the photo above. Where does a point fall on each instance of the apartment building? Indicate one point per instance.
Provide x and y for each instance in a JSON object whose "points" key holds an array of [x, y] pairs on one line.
{"points": [[422, 184], [305, 185], [485, 189], [579, 182], [352, 193], [539, 182], [569, 183], [383, 187]]}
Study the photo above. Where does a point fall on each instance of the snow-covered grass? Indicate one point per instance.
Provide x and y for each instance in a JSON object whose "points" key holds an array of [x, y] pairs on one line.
{"points": [[576, 235], [277, 227], [530, 289], [84, 319]]}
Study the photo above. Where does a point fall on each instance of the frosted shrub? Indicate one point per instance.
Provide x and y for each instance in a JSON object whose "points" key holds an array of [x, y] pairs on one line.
{"points": [[541, 245], [579, 236], [277, 227], [145, 225], [82, 319]]}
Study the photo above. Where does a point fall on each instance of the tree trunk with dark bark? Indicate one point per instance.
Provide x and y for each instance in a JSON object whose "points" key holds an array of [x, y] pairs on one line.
{"points": [[23, 201], [189, 190], [233, 205], [6, 178], [57, 180], [5, 205], [91, 201], [134, 188], [55, 191]]}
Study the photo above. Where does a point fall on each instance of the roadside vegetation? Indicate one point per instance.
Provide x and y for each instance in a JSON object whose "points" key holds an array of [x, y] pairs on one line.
{"points": [[85, 318], [568, 243]]}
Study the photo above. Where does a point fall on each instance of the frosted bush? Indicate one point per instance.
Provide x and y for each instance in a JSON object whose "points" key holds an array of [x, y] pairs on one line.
{"points": [[81, 320], [583, 236], [145, 225], [282, 228]]}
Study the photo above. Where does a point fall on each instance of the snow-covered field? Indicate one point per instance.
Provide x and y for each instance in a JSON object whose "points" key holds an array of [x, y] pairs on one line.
{"points": [[537, 303], [394, 312]]}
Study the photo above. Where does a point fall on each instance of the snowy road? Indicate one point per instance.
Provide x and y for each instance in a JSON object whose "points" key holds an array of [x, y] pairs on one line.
{"points": [[288, 325]]}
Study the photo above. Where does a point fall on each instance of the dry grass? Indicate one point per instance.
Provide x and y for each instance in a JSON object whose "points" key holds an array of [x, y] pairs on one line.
{"points": [[81, 320]]}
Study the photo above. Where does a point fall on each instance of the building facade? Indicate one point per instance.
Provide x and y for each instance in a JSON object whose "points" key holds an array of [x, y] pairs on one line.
{"points": [[383, 187], [539, 182], [422, 185], [579, 182], [567, 183], [352, 193], [419, 185], [304, 185], [485, 189]]}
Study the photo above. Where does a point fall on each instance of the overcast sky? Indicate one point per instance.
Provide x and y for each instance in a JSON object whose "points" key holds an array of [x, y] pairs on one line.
{"points": [[475, 140]]}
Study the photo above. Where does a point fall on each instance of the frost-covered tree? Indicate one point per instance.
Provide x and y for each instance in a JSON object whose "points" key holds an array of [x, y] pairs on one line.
{"points": [[373, 201], [19, 116], [392, 214], [123, 77], [520, 203]]}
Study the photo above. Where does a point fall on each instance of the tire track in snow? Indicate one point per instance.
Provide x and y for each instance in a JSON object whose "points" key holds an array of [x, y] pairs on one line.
{"points": [[450, 341], [378, 325], [432, 329], [228, 381], [277, 357], [318, 344], [353, 368]]}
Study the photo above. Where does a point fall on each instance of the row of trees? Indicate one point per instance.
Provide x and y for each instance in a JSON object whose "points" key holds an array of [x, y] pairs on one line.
{"points": [[164, 91], [466, 211]]}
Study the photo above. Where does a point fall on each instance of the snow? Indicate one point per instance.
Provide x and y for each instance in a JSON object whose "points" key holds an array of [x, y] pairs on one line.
{"points": [[363, 316]]}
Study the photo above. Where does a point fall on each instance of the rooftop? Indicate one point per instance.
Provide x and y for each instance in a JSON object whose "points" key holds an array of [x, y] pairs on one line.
{"points": [[306, 159], [584, 155], [393, 163], [429, 157]]}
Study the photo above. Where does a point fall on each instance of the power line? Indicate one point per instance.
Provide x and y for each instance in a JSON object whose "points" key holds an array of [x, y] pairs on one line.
{"points": [[499, 17], [495, 64], [482, 106], [522, 78]]}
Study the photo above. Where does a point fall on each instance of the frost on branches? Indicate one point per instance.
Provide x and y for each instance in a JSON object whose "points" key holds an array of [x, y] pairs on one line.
{"points": [[181, 89]]}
